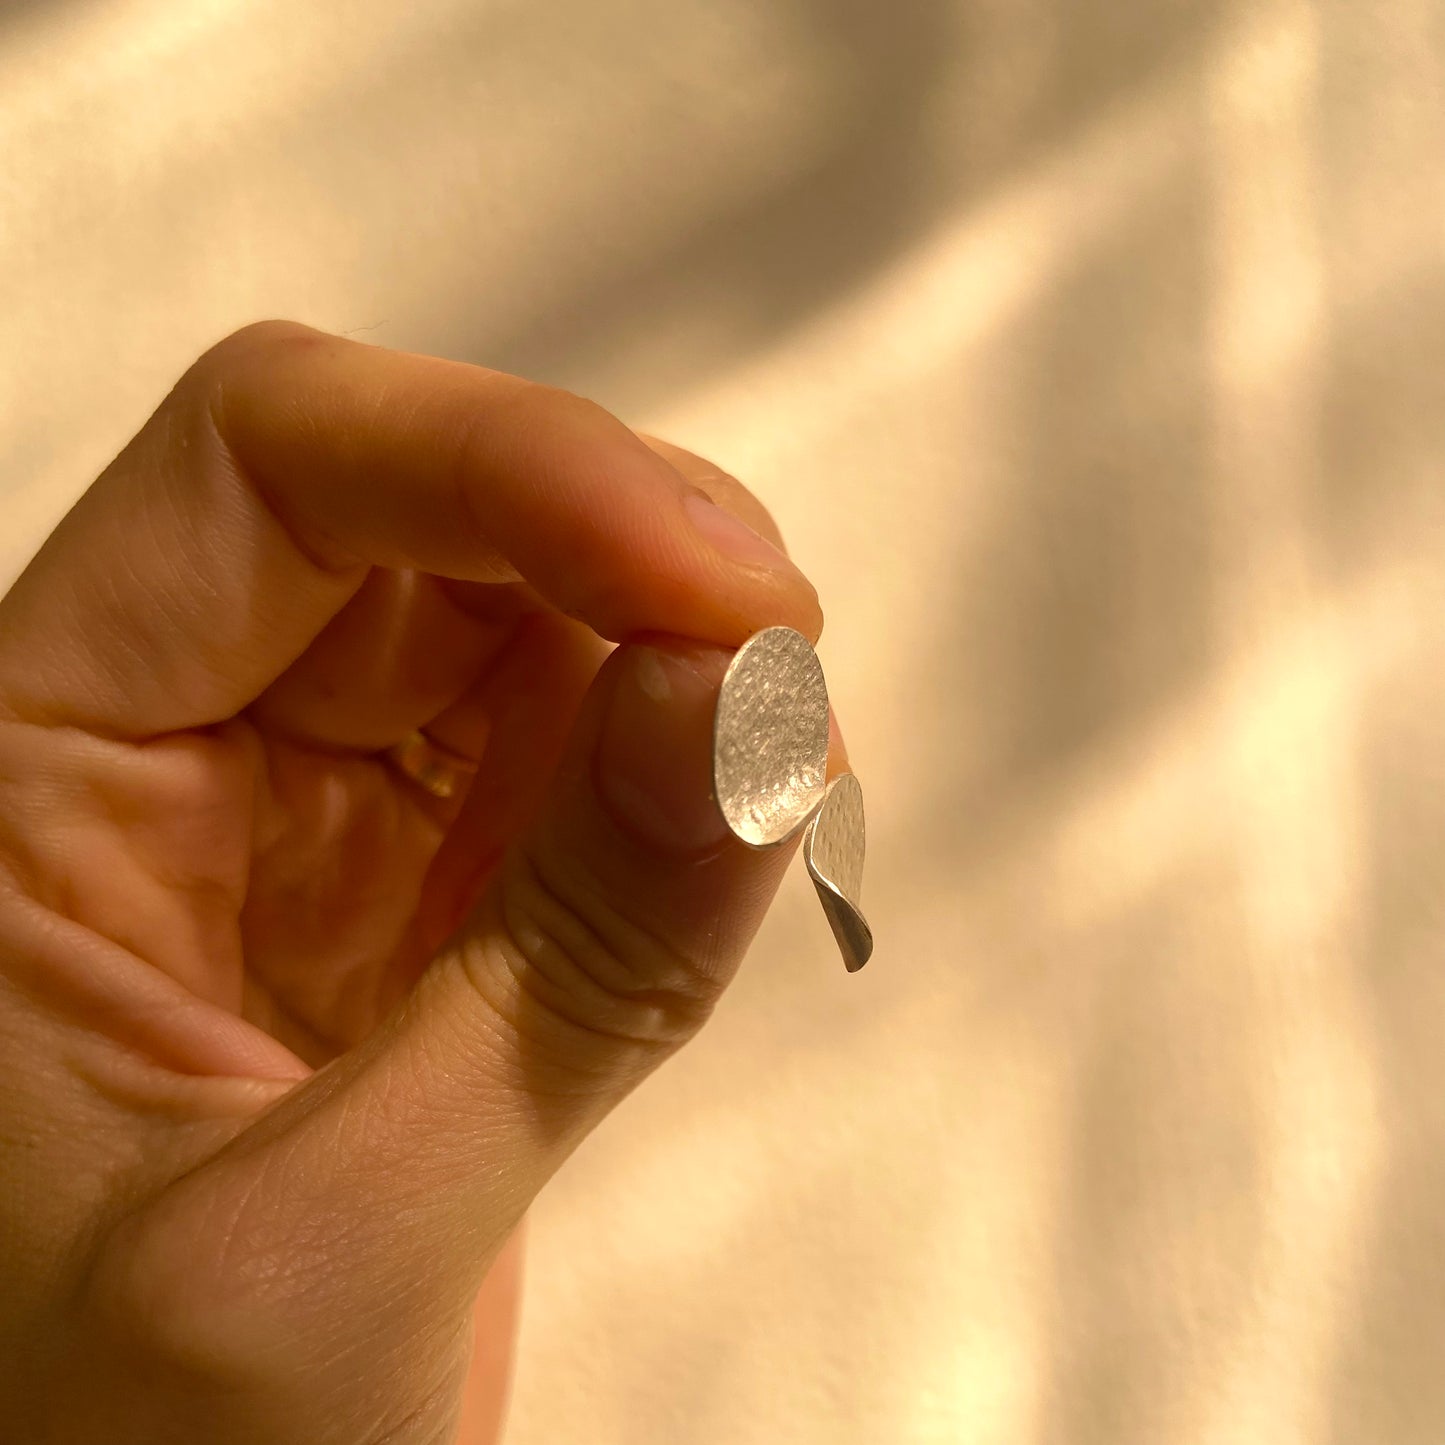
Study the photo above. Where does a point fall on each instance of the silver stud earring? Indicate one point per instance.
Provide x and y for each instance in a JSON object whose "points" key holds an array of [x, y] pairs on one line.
{"points": [[770, 765]]}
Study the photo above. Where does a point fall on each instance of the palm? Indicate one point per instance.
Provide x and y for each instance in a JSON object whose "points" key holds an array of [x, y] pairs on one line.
{"points": [[330, 922], [327, 883]]}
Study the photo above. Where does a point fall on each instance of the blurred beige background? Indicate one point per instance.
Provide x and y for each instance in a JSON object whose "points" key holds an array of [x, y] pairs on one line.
{"points": [[1092, 353]]}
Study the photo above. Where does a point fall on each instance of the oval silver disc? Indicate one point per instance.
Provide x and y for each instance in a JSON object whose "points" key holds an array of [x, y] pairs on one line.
{"points": [[770, 737], [833, 849]]}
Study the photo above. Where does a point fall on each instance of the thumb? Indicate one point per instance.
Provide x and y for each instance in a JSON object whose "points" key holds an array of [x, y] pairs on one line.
{"points": [[379, 1191]]}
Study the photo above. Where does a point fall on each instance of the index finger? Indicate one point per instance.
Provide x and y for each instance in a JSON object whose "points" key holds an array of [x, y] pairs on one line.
{"points": [[287, 463]]}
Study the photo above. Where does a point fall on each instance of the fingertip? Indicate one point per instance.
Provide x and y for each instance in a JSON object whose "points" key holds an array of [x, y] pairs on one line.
{"points": [[652, 768], [740, 531]]}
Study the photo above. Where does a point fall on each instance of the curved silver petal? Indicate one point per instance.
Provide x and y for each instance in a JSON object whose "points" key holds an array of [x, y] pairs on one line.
{"points": [[833, 849]]}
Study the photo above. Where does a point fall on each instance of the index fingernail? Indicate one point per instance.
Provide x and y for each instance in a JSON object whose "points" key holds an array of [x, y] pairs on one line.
{"points": [[736, 540]]}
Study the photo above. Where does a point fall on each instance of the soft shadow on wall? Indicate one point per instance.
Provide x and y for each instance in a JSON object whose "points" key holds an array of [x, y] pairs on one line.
{"points": [[932, 106]]}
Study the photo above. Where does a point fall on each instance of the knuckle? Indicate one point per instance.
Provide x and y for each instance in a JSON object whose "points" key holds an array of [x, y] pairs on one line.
{"points": [[257, 338], [570, 972], [198, 397], [186, 1290], [204, 387], [168, 1320]]}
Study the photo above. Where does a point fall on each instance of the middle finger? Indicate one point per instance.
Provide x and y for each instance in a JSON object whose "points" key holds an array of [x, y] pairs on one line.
{"points": [[405, 648]]}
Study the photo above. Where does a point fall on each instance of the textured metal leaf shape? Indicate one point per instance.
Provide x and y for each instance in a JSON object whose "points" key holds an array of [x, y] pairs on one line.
{"points": [[833, 849], [770, 737]]}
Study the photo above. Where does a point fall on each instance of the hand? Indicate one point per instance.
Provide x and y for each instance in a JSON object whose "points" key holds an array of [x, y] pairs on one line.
{"points": [[287, 1043]]}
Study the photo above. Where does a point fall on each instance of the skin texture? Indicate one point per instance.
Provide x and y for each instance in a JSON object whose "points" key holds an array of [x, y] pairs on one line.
{"points": [[287, 1045]]}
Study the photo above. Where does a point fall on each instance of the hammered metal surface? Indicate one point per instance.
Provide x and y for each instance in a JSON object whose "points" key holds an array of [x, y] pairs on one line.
{"points": [[833, 849], [770, 737]]}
